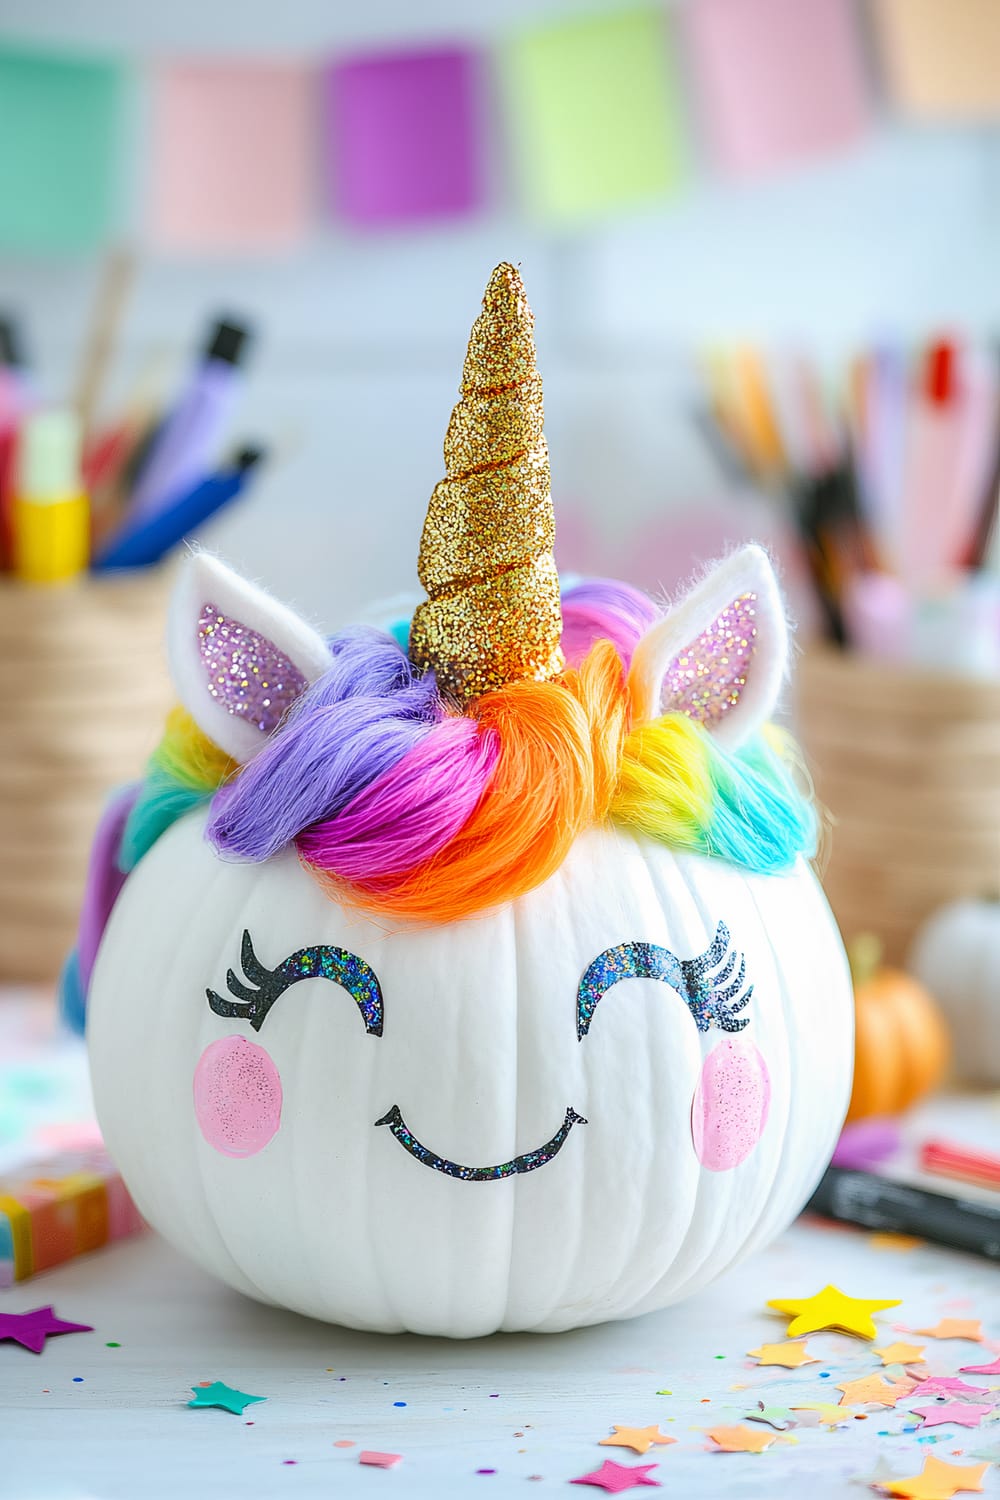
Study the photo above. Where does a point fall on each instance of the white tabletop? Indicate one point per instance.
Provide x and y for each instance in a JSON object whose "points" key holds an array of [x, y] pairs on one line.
{"points": [[86, 1421]]}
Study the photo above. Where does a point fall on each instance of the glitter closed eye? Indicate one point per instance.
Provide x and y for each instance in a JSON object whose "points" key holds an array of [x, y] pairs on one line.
{"points": [[260, 987], [711, 985]]}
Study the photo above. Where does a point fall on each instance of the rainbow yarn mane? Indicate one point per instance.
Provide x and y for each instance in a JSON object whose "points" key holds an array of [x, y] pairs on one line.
{"points": [[402, 803]]}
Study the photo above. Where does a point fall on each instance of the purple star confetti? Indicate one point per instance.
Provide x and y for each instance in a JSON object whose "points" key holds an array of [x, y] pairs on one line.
{"points": [[31, 1329]]}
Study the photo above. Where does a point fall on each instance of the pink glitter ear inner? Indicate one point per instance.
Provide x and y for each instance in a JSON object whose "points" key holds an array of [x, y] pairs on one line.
{"points": [[707, 678], [245, 672]]}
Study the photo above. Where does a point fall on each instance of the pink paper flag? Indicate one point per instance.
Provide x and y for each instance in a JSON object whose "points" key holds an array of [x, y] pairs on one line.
{"points": [[780, 81], [231, 156], [404, 138]]}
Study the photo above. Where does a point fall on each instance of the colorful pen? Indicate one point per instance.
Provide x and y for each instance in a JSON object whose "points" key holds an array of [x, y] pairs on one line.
{"points": [[142, 542], [51, 515], [184, 448]]}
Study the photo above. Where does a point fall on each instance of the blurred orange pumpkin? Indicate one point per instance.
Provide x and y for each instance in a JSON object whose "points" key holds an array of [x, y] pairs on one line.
{"points": [[901, 1044]]}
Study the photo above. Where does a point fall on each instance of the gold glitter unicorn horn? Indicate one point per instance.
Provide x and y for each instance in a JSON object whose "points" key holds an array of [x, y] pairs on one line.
{"points": [[492, 614]]}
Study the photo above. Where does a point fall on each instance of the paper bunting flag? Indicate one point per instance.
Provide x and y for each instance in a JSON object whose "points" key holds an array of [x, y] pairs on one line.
{"points": [[59, 145], [595, 114], [404, 137], [232, 152]]}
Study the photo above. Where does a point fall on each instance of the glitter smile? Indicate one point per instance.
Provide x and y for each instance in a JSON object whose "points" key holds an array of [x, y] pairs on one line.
{"points": [[529, 1162]]}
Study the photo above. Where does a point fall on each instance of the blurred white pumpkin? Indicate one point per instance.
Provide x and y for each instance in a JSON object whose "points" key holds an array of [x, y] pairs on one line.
{"points": [[957, 956]]}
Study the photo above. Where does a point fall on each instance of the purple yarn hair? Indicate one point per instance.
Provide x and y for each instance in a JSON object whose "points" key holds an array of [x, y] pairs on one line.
{"points": [[603, 609], [412, 810], [370, 774], [358, 720]]}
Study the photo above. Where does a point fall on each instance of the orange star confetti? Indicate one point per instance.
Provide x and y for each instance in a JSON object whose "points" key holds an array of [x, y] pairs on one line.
{"points": [[872, 1390], [938, 1481], [639, 1439], [901, 1354], [742, 1439], [832, 1308], [956, 1328], [790, 1354]]}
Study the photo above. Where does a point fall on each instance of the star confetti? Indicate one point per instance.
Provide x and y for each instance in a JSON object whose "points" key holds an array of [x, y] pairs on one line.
{"points": [[379, 1460], [882, 1474], [956, 1328], [742, 1439], [780, 1417], [790, 1354], [829, 1414], [901, 1354], [993, 1369], [950, 1385], [872, 1390], [962, 1413], [617, 1477], [31, 1329], [832, 1308], [640, 1439], [937, 1481], [223, 1396]]}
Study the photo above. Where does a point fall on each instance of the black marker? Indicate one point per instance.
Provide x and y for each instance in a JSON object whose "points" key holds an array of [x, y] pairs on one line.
{"points": [[897, 1207]]}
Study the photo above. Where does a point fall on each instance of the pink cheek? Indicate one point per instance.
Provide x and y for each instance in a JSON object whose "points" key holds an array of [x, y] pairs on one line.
{"points": [[730, 1105], [237, 1096]]}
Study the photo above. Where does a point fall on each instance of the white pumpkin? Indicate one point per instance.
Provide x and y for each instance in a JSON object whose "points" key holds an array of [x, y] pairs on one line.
{"points": [[957, 956], [444, 1134]]}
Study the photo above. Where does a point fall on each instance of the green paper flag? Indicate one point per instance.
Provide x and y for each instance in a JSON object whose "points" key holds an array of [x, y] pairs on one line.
{"points": [[596, 115], [58, 133]]}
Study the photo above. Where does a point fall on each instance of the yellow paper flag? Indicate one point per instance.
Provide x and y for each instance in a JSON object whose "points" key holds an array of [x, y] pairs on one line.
{"points": [[595, 113]]}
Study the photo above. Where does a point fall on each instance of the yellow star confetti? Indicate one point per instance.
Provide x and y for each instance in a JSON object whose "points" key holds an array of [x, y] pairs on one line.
{"points": [[790, 1354], [872, 1390], [901, 1354], [640, 1439], [742, 1439], [832, 1308], [938, 1481], [955, 1328], [829, 1415]]}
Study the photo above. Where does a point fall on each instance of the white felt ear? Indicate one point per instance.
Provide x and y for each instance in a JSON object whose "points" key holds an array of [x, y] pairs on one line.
{"points": [[720, 655], [238, 658]]}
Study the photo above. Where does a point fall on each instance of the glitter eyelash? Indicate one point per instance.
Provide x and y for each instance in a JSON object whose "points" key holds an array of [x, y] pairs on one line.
{"points": [[529, 1162], [338, 965], [713, 998]]}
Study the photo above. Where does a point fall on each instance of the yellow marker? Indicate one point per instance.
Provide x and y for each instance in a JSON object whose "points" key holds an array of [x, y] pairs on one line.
{"points": [[51, 514], [758, 412]]}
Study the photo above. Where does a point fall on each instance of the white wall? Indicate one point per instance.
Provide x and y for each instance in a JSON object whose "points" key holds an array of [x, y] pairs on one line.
{"points": [[361, 339]]}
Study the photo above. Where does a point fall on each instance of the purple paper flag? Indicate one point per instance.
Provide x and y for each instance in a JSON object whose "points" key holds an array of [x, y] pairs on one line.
{"points": [[404, 139]]}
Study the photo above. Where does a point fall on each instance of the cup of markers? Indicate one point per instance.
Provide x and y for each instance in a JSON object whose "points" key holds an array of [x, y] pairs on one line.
{"points": [[88, 524]]}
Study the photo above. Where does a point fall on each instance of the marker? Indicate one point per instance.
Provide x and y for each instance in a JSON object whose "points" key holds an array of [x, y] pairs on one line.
{"points": [[14, 402], [51, 515], [142, 542], [878, 1203], [945, 1160], [184, 448]]}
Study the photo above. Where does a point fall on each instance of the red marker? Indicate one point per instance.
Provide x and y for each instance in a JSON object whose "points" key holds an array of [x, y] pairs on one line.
{"points": [[945, 1160], [940, 372]]}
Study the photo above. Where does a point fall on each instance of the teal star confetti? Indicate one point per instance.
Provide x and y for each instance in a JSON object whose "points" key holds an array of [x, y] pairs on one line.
{"points": [[223, 1396]]}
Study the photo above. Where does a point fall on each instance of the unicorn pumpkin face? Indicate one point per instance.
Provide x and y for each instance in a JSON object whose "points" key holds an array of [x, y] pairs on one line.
{"points": [[513, 1007]]}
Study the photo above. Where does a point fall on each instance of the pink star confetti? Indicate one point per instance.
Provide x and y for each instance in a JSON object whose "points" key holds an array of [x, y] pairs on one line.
{"points": [[993, 1369], [946, 1385], [617, 1477], [379, 1460], [31, 1329], [963, 1413]]}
